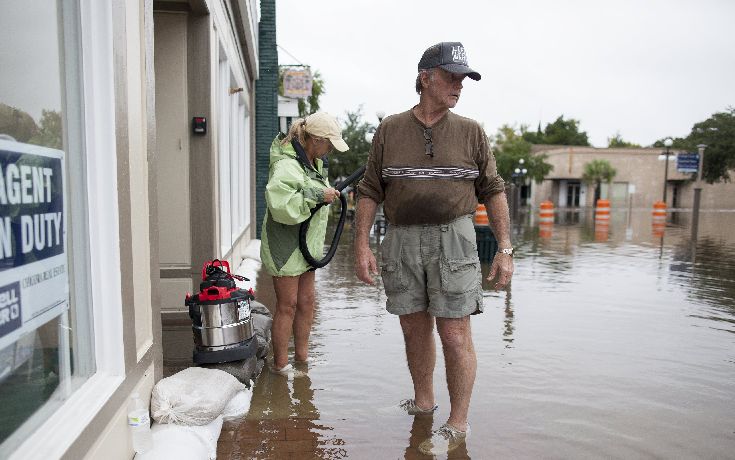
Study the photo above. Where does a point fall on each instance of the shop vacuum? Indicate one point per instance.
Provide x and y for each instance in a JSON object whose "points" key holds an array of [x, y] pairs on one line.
{"points": [[220, 315]]}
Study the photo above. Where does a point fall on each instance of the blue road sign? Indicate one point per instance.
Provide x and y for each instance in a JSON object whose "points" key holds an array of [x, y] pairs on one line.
{"points": [[687, 162]]}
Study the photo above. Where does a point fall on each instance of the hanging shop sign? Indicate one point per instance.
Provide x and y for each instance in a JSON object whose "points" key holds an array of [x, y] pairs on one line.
{"points": [[297, 83], [34, 281]]}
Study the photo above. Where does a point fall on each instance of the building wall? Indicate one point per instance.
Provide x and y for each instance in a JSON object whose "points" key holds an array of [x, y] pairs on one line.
{"points": [[639, 167], [132, 207], [206, 195]]}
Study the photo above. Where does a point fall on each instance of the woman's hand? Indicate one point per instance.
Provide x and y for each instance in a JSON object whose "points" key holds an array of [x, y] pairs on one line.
{"points": [[330, 195]]}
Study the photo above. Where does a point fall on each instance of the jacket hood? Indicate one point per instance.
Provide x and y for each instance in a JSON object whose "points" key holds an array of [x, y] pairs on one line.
{"points": [[281, 151]]}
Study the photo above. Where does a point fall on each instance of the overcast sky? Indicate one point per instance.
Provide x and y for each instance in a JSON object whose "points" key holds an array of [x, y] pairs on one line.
{"points": [[646, 68]]}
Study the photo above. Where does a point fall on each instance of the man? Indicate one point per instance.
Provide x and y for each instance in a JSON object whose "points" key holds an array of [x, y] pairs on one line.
{"points": [[429, 167]]}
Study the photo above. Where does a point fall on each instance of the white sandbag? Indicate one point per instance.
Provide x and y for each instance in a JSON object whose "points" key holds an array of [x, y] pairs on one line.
{"points": [[194, 396], [239, 405], [182, 442]]}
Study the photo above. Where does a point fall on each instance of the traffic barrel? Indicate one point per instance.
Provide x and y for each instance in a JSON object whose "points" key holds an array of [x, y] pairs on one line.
{"points": [[602, 210], [659, 210], [546, 212], [658, 219], [481, 215], [546, 219], [602, 229]]}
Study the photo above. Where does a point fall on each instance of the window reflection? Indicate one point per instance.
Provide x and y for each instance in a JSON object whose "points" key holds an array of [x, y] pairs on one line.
{"points": [[40, 105]]}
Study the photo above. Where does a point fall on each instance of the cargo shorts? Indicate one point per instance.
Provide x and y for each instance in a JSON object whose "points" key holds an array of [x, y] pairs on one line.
{"points": [[432, 268]]}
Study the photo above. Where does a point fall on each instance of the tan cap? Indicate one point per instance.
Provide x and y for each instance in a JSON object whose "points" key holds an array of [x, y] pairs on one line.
{"points": [[322, 124]]}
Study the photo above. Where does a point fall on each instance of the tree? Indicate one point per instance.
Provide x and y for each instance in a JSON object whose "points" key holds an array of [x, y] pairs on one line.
{"points": [[310, 104], [510, 147], [560, 132], [343, 164], [617, 142], [596, 172], [678, 143], [565, 132], [533, 138], [16, 123], [49, 134], [718, 134]]}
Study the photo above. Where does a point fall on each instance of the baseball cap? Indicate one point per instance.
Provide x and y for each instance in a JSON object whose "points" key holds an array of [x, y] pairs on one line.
{"points": [[450, 56], [322, 124]]}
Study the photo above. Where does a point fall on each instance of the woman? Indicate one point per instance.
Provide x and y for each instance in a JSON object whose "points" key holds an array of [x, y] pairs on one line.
{"points": [[297, 183]]}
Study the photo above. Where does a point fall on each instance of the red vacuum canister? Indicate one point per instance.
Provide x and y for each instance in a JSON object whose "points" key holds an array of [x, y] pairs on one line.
{"points": [[220, 315]]}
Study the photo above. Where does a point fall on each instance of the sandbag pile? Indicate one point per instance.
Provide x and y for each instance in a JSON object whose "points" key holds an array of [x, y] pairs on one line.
{"points": [[189, 408]]}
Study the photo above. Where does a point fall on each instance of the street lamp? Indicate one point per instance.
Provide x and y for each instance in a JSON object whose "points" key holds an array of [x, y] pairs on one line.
{"points": [[667, 143], [518, 174], [520, 171]]}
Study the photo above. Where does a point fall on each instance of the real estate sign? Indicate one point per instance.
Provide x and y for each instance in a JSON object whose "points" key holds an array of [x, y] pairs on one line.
{"points": [[34, 281]]}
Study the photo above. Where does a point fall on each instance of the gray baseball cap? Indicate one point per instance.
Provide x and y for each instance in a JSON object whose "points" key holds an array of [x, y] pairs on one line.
{"points": [[450, 56]]}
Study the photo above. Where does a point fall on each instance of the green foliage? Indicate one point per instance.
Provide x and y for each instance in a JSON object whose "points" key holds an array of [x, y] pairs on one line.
{"points": [[560, 132], [310, 104], [533, 138], [49, 134], [564, 132], [718, 134], [617, 142], [16, 123], [510, 147], [354, 132], [596, 172]]}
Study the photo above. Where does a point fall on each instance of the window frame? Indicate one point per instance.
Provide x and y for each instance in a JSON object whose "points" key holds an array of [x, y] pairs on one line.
{"points": [[52, 438]]}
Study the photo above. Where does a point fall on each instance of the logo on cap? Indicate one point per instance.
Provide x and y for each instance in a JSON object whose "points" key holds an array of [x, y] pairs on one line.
{"points": [[459, 55]]}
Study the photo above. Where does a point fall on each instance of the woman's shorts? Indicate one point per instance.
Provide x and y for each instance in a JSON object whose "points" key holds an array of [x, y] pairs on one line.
{"points": [[432, 268]]}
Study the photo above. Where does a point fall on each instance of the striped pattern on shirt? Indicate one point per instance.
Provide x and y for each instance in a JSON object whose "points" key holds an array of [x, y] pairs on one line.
{"points": [[429, 173]]}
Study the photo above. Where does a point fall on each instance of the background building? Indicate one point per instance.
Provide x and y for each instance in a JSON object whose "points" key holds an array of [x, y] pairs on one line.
{"points": [[639, 180]]}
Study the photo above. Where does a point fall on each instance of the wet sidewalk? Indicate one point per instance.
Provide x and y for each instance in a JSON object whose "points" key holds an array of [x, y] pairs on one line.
{"points": [[295, 438]]}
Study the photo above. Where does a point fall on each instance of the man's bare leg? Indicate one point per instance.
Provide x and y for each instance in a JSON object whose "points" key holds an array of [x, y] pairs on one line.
{"points": [[461, 365], [418, 334]]}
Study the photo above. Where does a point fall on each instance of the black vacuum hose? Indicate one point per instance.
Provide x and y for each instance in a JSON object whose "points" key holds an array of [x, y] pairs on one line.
{"points": [[340, 225]]}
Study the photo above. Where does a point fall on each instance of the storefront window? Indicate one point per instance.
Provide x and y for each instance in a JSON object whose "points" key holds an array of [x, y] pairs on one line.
{"points": [[46, 345]]}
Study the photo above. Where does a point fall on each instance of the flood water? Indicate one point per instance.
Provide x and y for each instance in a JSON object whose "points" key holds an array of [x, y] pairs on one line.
{"points": [[610, 343]]}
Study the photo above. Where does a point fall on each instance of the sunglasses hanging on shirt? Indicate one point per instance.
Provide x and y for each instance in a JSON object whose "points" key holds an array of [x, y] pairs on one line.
{"points": [[429, 145]]}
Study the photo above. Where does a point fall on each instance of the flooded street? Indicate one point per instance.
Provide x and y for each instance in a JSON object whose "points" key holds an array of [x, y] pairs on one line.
{"points": [[609, 344]]}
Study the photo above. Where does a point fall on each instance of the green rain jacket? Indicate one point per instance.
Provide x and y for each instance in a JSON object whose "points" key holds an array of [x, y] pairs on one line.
{"points": [[294, 188]]}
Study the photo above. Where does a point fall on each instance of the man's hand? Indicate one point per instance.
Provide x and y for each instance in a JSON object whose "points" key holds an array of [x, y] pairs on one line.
{"points": [[502, 269], [366, 267]]}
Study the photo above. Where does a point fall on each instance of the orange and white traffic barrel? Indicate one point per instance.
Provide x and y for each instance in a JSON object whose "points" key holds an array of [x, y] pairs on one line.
{"points": [[602, 210], [546, 212], [602, 220], [658, 220], [481, 215], [659, 210], [546, 219]]}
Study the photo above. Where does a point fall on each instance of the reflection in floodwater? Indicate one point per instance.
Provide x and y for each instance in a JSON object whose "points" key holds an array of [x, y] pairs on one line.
{"points": [[621, 347], [508, 332]]}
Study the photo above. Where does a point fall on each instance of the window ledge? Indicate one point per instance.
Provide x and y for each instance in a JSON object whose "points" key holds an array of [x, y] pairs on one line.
{"points": [[54, 437]]}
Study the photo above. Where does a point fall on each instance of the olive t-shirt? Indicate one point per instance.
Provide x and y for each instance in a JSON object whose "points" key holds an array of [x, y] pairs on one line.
{"points": [[416, 188]]}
